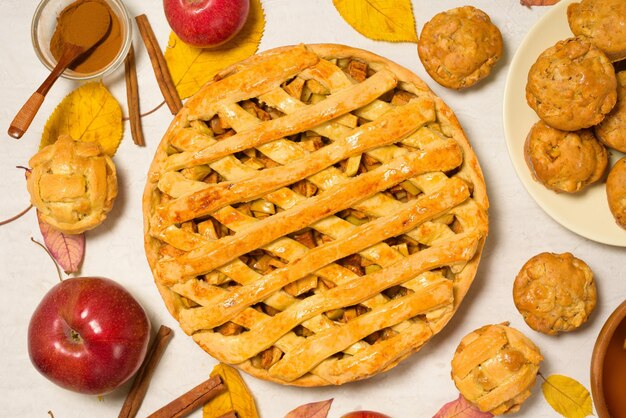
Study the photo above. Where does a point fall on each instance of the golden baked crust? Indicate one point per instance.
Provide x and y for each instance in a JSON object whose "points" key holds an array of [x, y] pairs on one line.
{"points": [[554, 292], [314, 215], [572, 85], [616, 191], [494, 367], [564, 161], [72, 184], [604, 22], [612, 130], [459, 47]]}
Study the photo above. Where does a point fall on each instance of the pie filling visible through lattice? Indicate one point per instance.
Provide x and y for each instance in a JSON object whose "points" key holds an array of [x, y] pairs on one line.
{"points": [[314, 215]]}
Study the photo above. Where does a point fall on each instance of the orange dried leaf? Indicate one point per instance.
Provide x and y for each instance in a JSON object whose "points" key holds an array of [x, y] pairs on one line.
{"points": [[461, 408], [192, 67], [311, 410], [67, 250], [381, 20]]}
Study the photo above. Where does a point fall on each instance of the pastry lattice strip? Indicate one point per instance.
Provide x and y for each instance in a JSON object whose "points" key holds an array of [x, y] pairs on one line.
{"points": [[479, 362], [200, 151], [355, 239], [237, 348]]}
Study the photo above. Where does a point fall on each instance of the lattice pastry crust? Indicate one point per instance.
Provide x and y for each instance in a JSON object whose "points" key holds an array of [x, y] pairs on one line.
{"points": [[314, 215]]}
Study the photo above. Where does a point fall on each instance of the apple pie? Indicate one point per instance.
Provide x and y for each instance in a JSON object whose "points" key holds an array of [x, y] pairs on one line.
{"points": [[314, 215]]}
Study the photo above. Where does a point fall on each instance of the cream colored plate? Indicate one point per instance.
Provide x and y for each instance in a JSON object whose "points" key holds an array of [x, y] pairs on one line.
{"points": [[586, 213]]}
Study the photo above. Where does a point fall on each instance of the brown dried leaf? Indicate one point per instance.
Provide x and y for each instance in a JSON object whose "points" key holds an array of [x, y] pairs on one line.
{"points": [[311, 410], [67, 250], [529, 3]]}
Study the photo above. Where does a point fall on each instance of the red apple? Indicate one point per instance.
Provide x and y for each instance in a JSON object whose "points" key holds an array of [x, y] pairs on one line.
{"points": [[88, 334], [364, 414], [206, 23]]}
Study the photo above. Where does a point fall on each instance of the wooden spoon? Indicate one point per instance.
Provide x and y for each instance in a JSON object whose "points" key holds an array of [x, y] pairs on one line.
{"points": [[76, 43]]}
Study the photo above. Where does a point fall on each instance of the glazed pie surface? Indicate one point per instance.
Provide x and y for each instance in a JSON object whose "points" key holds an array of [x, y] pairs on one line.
{"points": [[314, 215]]}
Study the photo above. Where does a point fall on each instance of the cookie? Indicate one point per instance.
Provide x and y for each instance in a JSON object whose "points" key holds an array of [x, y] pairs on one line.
{"points": [[572, 85], [459, 47], [616, 192], [564, 161], [604, 22], [612, 130], [494, 367], [554, 292]]}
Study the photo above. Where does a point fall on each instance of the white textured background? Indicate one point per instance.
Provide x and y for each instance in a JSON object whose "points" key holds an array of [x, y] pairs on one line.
{"points": [[416, 388]]}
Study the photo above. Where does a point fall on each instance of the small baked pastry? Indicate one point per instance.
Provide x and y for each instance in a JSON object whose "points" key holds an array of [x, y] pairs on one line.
{"points": [[612, 130], [314, 215], [494, 367], [564, 161], [616, 192], [604, 22], [572, 85], [72, 184], [459, 47], [554, 292]]}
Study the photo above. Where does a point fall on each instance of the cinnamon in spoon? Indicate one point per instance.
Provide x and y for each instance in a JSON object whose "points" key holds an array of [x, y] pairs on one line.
{"points": [[103, 53], [77, 39]]}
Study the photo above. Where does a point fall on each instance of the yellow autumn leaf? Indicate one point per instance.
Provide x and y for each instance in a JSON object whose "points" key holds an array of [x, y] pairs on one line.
{"points": [[89, 114], [192, 67], [567, 396], [381, 20], [236, 398]]}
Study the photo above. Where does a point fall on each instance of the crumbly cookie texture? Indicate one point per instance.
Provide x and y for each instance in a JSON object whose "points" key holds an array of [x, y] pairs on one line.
{"points": [[494, 367], [612, 130], [572, 85], [72, 184], [616, 192], [564, 161], [459, 47], [604, 22], [555, 292]]}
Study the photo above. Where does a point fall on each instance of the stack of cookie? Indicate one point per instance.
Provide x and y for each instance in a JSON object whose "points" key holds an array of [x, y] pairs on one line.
{"points": [[581, 102]]}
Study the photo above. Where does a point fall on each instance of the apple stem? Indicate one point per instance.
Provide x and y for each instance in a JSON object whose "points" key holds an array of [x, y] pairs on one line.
{"points": [[49, 255], [51, 414]]}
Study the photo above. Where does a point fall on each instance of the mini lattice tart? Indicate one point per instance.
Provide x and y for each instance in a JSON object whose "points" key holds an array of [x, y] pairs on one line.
{"points": [[314, 215]]}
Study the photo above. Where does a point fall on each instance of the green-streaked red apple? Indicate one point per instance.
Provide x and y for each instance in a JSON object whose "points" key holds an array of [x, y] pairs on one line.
{"points": [[88, 335], [206, 23]]}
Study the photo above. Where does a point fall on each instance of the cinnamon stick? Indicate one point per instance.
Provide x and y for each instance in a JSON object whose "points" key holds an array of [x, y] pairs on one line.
{"points": [[162, 73], [132, 97], [192, 400], [142, 380]]}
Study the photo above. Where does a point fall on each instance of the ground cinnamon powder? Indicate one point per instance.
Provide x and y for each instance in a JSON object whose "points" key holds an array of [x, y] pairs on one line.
{"points": [[76, 24]]}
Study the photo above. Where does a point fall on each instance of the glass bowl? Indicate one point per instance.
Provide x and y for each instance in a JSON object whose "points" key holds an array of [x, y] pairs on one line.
{"points": [[44, 24]]}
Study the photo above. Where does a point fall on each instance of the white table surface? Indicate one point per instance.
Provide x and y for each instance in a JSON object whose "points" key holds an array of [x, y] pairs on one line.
{"points": [[519, 229]]}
